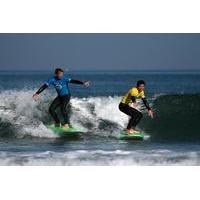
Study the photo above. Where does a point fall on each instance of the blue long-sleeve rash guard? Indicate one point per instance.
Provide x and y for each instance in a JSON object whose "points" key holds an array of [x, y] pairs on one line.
{"points": [[61, 85]]}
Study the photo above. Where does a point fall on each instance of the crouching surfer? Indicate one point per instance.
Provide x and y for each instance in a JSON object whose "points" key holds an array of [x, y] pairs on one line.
{"points": [[60, 82], [128, 103]]}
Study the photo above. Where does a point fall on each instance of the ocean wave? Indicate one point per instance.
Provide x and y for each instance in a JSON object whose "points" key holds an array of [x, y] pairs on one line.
{"points": [[100, 157], [177, 116], [20, 116]]}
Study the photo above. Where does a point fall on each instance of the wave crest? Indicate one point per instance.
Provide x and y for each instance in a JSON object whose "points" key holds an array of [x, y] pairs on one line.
{"points": [[177, 116]]}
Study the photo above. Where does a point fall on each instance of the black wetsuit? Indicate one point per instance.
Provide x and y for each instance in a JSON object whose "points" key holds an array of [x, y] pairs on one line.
{"points": [[135, 115], [61, 101]]}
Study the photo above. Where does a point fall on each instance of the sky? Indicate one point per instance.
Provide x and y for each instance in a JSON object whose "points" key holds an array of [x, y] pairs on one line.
{"points": [[100, 51]]}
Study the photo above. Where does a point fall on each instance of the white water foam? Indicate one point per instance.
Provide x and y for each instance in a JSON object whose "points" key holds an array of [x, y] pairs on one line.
{"points": [[18, 109], [100, 157], [27, 117]]}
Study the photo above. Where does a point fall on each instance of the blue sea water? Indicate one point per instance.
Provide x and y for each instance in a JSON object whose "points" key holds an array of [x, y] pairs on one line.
{"points": [[172, 138]]}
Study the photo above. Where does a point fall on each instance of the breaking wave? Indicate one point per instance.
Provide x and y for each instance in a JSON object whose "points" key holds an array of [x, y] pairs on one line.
{"points": [[177, 116]]}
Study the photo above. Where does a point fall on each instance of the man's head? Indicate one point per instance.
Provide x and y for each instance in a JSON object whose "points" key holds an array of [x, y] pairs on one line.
{"points": [[140, 85], [59, 73]]}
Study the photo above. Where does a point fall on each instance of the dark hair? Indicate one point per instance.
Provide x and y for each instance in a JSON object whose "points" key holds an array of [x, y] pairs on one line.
{"points": [[58, 70], [140, 82]]}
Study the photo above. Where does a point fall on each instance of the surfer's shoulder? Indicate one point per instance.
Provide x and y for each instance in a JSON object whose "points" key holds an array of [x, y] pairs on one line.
{"points": [[133, 91], [50, 80]]}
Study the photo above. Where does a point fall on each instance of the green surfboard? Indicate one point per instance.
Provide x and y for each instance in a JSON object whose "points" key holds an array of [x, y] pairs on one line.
{"points": [[65, 132], [132, 136]]}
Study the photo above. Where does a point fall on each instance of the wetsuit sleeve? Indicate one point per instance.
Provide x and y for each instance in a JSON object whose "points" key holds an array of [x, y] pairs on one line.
{"points": [[146, 103], [46, 85], [76, 81], [42, 88], [133, 99]]}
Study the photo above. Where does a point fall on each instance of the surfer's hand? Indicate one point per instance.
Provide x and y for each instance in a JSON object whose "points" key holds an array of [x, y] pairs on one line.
{"points": [[87, 83], [151, 114], [35, 97]]}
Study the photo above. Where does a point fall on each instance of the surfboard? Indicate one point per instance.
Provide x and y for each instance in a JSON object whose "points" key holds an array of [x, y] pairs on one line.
{"points": [[132, 136], [63, 131]]}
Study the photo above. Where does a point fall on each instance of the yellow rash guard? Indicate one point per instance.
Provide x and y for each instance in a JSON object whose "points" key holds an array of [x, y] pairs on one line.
{"points": [[133, 92]]}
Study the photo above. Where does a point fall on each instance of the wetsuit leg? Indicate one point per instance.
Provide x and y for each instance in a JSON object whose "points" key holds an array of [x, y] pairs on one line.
{"points": [[65, 107], [137, 118], [52, 109], [133, 113]]}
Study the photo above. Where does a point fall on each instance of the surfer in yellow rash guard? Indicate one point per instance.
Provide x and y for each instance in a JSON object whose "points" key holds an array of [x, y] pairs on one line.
{"points": [[129, 102]]}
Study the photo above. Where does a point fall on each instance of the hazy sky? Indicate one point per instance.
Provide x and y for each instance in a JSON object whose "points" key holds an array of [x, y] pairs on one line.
{"points": [[99, 51]]}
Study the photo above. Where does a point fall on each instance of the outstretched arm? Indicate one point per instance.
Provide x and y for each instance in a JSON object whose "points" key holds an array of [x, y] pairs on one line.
{"points": [[86, 83], [41, 89], [76, 82]]}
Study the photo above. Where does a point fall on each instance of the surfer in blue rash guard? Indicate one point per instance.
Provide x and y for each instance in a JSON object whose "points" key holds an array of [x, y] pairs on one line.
{"points": [[60, 82]]}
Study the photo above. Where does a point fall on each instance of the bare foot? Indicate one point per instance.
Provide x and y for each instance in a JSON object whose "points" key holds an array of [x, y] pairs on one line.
{"points": [[66, 126], [131, 131]]}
